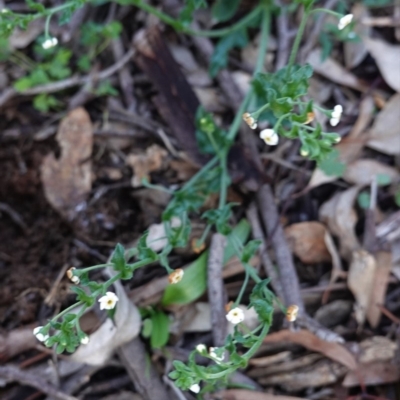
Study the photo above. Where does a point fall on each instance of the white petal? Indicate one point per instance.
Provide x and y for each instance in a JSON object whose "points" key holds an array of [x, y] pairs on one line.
{"points": [[267, 133], [334, 121], [195, 388]]}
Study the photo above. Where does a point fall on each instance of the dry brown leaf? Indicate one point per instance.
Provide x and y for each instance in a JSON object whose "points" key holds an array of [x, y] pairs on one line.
{"points": [[332, 350], [377, 348], [20, 38], [112, 334], [210, 99], [338, 214], [243, 394], [387, 57], [322, 373], [385, 132], [360, 280], [269, 360], [377, 373], [306, 240], [380, 282], [143, 164], [361, 172], [333, 71], [355, 51], [350, 147], [67, 181]]}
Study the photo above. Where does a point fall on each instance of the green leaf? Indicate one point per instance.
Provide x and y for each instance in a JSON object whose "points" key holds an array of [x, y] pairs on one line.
{"points": [[84, 63], [160, 329], [383, 179], [194, 281], [363, 200], [397, 198], [219, 59], [44, 102], [249, 250], [147, 327], [118, 257], [186, 15], [143, 250], [105, 89], [223, 10], [331, 165]]}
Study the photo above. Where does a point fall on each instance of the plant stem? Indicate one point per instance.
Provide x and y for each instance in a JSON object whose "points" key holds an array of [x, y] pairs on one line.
{"points": [[200, 173], [206, 33], [297, 41], [242, 289], [94, 267], [70, 308]]}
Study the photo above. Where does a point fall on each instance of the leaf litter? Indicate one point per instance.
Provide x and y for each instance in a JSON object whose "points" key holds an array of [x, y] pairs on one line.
{"points": [[329, 218]]}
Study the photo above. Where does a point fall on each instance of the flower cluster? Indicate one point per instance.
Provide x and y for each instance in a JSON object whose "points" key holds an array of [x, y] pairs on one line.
{"points": [[49, 43], [250, 120]]}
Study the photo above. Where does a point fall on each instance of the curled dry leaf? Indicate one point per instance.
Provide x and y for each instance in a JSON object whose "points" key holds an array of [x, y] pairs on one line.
{"points": [[306, 240], [312, 243], [387, 57], [355, 51], [112, 333], [361, 172], [143, 164], [67, 181], [350, 147], [385, 132], [360, 280], [338, 214], [332, 350]]}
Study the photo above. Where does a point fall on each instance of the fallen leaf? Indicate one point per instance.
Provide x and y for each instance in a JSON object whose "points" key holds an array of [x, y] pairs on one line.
{"points": [[360, 280], [321, 373], [361, 172], [332, 350], [210, 99], [307, 241], [333, 71], [143, 164], [378, 373], [338, 214], [377, 348], [16, 341], [334, 313], [270, 360], [355, 51], [242, 394], [387, 57], [20, 38], [380, 283], [111, 334], [385, 132], [67, 181]]}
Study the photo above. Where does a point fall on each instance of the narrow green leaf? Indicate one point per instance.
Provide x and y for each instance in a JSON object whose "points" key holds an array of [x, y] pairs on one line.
{"points": [[160, 330]]}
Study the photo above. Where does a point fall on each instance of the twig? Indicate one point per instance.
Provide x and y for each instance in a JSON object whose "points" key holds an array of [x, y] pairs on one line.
{"points": [[143, 374], [14, 216], [215, 286], [282, 54], [49, 300], [68, 83], [269, 268], [287, 272], [14, 374]]}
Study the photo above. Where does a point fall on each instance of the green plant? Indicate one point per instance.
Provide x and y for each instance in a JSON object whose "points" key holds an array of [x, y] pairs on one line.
{"points": [[280, 99]]}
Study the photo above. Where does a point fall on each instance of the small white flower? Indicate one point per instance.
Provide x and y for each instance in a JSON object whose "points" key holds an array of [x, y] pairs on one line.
{"points": [[304, 152], [195, 388], [201, 348], [49, 43], [235, 316], [336, 115], [344, 21], [73, 278], [214, 355], [85, 339], [108, 301], [269, 136], [40, 336], [4, 11]]}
